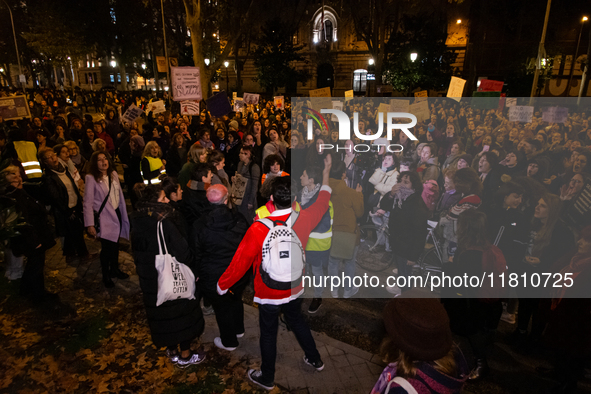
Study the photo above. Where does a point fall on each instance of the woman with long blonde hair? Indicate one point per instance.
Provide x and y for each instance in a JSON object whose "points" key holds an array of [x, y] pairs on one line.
{"points": [[152, 164], [197, 154]]}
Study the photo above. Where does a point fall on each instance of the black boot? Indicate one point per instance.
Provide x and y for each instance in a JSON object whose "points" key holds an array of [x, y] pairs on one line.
{"points": [[117, 273], [480, 370], [108, 282]]}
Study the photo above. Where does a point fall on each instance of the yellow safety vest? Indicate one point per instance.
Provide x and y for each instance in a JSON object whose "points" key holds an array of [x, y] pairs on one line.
{"points": [[321, 241], [263, 211], [155, 164], [27, 155]]}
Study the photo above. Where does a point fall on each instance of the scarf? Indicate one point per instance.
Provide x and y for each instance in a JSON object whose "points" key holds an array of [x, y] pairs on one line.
{"points": [[578, 264], [77, 160], [401, 195], [158, 209], [308, 194]]}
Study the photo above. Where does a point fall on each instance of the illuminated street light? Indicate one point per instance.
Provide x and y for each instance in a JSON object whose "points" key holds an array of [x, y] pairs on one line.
{"points": [[459, 21], [227, 63], [206, 62], [113, 63], [143, 66], [585, 19], [413, 56], [370, 62]]}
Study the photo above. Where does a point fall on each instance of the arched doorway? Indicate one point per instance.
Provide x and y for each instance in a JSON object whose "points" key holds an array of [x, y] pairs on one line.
{"points": [[325, 76]]}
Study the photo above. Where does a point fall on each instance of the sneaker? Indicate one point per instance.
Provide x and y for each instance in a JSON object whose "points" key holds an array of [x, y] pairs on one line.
{"points": [[195, 359], [351, 293], [173, 355], [255, 376], [318, 365], [208, 310], [218, 342], [315, 305], [334, 293], [394, 290], [508, 317], [239, 335]]}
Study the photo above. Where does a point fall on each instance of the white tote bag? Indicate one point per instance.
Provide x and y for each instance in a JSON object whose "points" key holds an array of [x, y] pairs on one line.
{"points": [[175, 280]]}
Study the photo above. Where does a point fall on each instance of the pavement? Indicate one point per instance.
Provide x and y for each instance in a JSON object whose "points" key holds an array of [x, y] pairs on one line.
{"points": [[347, 368]]}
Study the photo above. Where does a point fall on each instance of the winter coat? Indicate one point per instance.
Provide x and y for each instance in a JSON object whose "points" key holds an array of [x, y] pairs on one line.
{"points": [[37, 231], [430, 172], [347, 205], [383, 181], [173, 321], [57, 196], [94, 195], [215, 238], [194, 202], [408, 225]]}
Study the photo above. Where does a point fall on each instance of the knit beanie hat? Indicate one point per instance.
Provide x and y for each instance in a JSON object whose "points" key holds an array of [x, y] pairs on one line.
{"points": [[418, 326], [233, 125], [216, 194]]}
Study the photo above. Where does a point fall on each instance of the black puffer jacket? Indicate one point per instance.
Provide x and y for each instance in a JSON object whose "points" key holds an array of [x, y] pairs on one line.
{"points": [[408, 225], [215, 238], [173, 321]]}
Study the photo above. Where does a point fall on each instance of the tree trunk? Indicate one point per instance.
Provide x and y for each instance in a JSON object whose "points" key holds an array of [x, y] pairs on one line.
{"points": [[122, 71]]}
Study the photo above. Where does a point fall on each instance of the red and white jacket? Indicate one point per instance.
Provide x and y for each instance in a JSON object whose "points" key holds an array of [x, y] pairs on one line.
{"points": [[250, 251]]}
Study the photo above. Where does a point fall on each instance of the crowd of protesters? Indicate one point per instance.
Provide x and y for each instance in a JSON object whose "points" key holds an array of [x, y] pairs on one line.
{"points": [[504, 195]]}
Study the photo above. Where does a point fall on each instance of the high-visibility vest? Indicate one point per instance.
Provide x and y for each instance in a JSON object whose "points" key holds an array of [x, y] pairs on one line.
{"points": [[264, 211], [320, 238], [155, 164], [27, 155], [283, 173]]}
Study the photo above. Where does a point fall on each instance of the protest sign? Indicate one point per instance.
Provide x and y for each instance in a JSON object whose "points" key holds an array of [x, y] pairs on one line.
{"points": [[15, 107], [489, 85], [521, 113], [399, 105], [456, 88], [239, 105], [349, 94], [186, 83], [173, 61], [502, 102], [132, 113], [485, 100], [190, 107], [251, 98], [336, 105], [278, 101], [324, 92], [320, 103], [555, 114], [511, 102], [218, 104], [422, 93], [156, 107], [420, 110], [161, 63], [234, 95]]}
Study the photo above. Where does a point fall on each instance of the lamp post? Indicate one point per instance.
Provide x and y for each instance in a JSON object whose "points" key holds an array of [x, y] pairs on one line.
{"points": [[18, 58], [227, 63], [572, 63], [541, 55], [413, 56]]}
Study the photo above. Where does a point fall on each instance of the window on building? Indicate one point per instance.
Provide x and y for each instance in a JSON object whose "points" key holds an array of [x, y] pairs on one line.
{"points": [[324, 28], [94, 78], [295, 40], [86, 78], [119, 78], [359, 81], [112, 78]]}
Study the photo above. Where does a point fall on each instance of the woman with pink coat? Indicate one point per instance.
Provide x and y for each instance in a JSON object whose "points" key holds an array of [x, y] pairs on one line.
{"points": [[104, 196]]}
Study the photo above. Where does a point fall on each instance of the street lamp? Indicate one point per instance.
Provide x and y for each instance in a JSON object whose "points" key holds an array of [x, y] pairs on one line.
{"points": [[572, 63], [206, 61], [459, 21], [370, 62], [227, 63], [18, 58], [113, 63], [143, 66], [413, 56]]}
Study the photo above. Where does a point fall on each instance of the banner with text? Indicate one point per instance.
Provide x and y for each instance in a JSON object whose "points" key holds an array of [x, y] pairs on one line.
{"points": [[186, 83]]}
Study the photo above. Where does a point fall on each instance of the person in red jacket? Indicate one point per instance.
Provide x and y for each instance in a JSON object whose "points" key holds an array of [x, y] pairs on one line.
{"points": [[272, 302]]}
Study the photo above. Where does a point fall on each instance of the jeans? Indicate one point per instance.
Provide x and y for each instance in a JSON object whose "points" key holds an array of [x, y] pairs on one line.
{"points": [[109, 257], [269, 324], [317, 261], [404, 270], [348, 268]]}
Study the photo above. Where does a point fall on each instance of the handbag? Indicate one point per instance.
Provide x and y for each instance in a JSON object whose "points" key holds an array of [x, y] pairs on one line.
{"points": [[97, 215], [343, 245], [175, 279]]}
